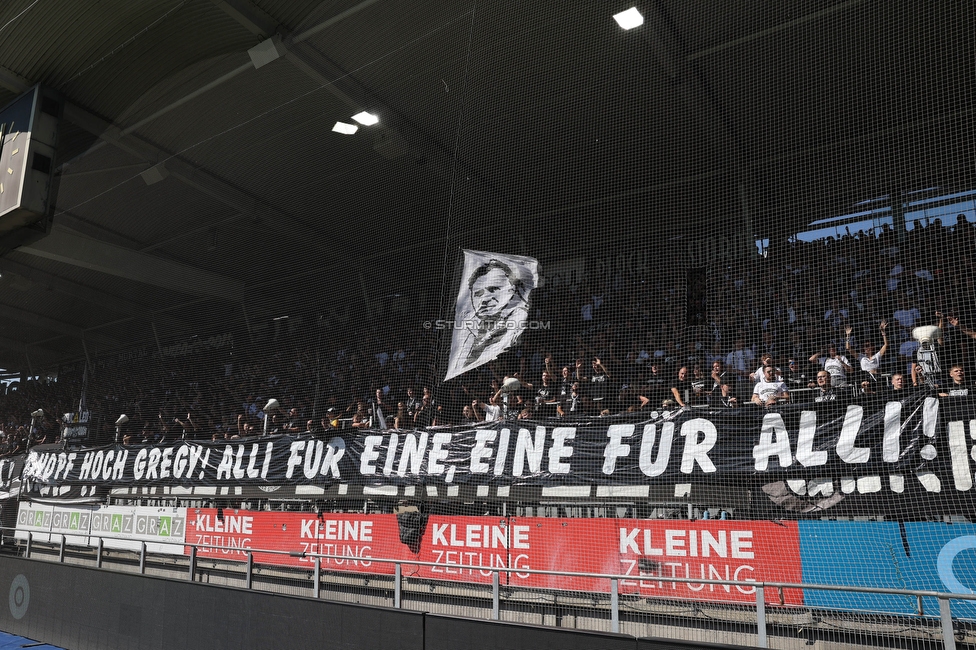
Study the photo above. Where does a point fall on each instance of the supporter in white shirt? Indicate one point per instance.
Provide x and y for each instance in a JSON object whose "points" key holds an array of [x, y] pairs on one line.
{"points": [[836, 364], [767, 362], [493, 410], [871, 360], [769, 391]]}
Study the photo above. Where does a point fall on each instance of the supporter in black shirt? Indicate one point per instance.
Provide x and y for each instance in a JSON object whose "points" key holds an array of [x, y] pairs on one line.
{"points": [[544, 392], [656, 386], [412, 403], [546, 395], [293, 422], [572, 404], [699, 396], [424, 417], [795, 377], [719, 377], [598, 389], [958, 386], [824, 392], [898, 388], [681, 388]]}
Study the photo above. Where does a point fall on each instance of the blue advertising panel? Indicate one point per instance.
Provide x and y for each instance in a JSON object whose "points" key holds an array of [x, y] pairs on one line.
{"points": [[929, 556]]}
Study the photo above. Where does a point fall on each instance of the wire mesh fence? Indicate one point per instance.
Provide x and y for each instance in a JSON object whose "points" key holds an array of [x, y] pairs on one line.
{"points": [[689, 304]]}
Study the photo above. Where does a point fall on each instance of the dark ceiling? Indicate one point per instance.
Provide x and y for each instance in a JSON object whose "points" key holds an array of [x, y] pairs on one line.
{"points": [[196, 187]]}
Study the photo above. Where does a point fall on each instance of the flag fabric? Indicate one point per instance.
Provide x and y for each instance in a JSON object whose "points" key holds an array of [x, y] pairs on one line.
{"points": [[492, 308]]}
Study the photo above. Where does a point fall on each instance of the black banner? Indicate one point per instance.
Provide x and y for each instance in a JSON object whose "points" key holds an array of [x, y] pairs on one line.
{"points": [[816, 451]]}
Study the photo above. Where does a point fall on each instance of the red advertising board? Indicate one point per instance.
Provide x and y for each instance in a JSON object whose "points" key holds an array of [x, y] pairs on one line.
{"points": [[646, 549], [361, 537], [473, 541]]}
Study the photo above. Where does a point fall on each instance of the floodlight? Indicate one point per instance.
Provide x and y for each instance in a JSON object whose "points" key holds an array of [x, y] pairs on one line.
{"points": [[345, 129], [629, 19], [365, 118], [39, 413]]}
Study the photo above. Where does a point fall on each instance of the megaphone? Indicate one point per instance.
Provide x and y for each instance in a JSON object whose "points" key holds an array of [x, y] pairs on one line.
{"points": [[927, 335]]}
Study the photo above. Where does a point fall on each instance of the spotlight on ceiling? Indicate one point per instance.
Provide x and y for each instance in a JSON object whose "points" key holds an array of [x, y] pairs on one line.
{"points": [[345, 129], [629, 19], [366, 119]]}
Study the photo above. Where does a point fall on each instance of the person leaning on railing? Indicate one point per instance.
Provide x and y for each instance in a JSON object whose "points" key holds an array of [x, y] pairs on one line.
{"points": [[957, 387], [723, 397], [824, 389], [681, 387], [360, 419]]}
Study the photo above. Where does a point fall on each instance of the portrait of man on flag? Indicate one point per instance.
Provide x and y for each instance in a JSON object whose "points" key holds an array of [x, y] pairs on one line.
{"points": [[492, 308]]}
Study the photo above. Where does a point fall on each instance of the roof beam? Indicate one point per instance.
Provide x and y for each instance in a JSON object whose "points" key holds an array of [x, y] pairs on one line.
{"points": [[87, 228], [13, 81], [197, 178], [67, 287], [53, 325], [305, 58], [250, 17], [64, 246], [74, 289], [19, 347], [115, 260]]}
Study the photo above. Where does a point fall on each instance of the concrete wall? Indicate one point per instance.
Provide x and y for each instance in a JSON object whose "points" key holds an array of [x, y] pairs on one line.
{"points": [[82, 608]]}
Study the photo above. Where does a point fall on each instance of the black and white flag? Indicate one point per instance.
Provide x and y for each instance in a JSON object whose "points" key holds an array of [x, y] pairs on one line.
{"points": [[492, 308]]}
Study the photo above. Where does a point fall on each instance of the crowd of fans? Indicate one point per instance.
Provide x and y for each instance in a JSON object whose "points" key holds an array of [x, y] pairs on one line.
{"points": [[809, 320]]}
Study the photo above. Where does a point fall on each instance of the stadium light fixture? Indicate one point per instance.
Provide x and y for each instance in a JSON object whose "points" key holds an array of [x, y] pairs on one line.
{"points": [[345, 129], [365, 118], [629, 19]]}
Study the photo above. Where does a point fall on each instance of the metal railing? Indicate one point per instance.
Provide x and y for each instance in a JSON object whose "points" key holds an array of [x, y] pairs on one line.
{"points": [[761, 609]]}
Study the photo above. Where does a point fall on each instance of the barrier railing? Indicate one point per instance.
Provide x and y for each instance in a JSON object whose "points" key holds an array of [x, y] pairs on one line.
{"points": [[946, 623]]}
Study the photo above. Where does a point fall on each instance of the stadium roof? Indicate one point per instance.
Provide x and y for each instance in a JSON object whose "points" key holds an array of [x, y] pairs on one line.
{"points": [[199, 166]]}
